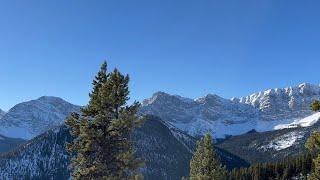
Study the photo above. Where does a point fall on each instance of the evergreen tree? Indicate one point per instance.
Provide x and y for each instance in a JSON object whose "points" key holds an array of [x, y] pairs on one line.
{"points": [[204, 164], [315, 175], [313, 144], [102, 148]]}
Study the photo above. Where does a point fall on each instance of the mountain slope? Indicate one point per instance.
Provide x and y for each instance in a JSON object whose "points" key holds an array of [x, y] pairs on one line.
{"points": [[269, 146], [167, 153], [263, 111], [8, 144], [29, 119], [2, 113]]}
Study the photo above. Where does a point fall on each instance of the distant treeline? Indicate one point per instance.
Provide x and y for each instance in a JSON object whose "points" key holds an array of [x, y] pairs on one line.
{"points": [[291, 168]]}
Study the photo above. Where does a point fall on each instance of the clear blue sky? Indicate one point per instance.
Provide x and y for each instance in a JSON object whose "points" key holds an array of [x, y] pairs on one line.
{"points": [[186, 47]]}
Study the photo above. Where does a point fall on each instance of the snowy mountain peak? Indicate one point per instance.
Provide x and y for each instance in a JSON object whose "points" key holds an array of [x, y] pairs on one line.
{"points": [[154, 97], [211, 99], [162, 97], [28, 119]]}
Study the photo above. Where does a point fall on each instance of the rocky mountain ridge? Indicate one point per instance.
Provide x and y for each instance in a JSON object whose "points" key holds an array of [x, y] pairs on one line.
{"points": [[261, 111], [284, 103]]}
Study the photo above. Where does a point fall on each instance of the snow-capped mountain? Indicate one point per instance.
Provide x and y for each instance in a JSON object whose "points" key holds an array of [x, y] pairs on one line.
{"points": [[29, 119], [268, 110]]}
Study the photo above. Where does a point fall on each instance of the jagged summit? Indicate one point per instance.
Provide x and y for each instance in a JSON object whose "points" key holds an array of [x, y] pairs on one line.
{"points": [[284, 103], [162, 97], [210, 99], [156, 96], [307, 88]]}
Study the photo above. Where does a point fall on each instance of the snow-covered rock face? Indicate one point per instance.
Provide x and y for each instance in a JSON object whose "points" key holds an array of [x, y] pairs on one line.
{"points": [[261, 111], [202, 115], [286, 103], [29, 119], [305, 122], [284, 141], [176, 109]]}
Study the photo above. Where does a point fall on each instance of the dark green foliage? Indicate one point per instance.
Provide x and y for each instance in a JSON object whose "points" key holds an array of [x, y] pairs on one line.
{"points": [[205, 164], [298, 167], [313, 144], [315, 175], [315, 106], [230, 161], [102, 146]]}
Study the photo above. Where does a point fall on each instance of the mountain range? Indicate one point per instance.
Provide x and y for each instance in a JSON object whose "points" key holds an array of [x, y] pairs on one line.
{"points": [[263, 127], [264, 111]]}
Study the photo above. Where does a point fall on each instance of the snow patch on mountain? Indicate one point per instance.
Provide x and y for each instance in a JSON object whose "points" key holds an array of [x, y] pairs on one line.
{"points": [[217, 128], [304, 122], [284, 142], [221, 130]]}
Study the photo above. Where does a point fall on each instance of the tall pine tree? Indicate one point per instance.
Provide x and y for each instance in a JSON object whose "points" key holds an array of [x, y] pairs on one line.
{"points": [[102, 148], [313, 144], [205, 164]]}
